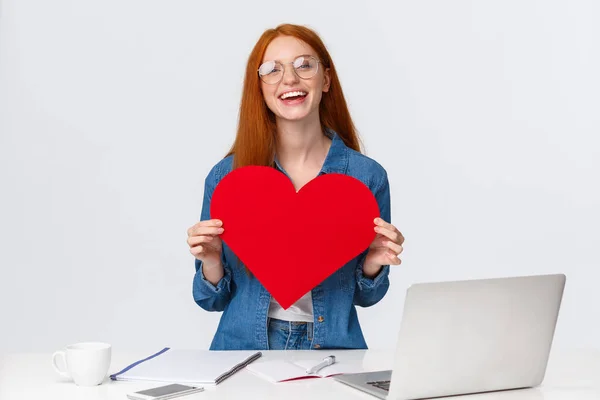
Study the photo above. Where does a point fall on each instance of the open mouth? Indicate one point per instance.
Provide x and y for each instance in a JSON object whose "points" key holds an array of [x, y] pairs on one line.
{"points": [[294, 97]]}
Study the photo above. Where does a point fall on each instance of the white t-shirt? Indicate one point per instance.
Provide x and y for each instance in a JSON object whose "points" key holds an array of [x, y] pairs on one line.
{"points": [[301, 310]]}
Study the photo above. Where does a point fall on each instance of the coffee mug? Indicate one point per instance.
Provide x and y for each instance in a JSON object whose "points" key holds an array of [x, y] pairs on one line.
{"points": [[86, 363]]}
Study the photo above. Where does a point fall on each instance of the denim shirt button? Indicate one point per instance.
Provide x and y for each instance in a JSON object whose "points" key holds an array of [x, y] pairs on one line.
{"points": [[320, 319]]}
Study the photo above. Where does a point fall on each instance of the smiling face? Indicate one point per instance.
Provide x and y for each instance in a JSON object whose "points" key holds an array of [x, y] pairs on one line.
{"points": [[294, 98]]}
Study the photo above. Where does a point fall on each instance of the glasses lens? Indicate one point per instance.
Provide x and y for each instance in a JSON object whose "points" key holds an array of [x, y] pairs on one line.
{"points": [[306, 67], [270, 72]]}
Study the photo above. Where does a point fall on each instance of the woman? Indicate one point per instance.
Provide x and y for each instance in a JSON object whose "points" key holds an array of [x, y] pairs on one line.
{"points": [[293, 117]]}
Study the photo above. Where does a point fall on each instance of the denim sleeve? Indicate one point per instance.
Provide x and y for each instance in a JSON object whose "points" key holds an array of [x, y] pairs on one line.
{"points": [[370, 290], [208, 296]]}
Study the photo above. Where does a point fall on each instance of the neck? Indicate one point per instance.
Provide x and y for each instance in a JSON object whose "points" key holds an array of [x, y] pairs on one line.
{"points": [[301, 143]]}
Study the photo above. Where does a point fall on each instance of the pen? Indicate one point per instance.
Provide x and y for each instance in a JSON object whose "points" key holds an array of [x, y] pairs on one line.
{"points": [[327, 361]]}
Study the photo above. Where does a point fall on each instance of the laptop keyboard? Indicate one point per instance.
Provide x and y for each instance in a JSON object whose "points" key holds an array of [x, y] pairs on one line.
{"points": [[384, 385]]}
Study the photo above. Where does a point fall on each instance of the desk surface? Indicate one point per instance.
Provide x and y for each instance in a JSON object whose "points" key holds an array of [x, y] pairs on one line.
{"points": [[572, 375]]}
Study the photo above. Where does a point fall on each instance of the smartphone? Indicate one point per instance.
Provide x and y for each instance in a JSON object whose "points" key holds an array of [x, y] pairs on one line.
{"points": [[164, 392]]}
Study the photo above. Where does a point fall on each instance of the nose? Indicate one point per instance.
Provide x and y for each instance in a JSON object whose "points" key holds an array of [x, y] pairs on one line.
{"points": [[289, 75]]}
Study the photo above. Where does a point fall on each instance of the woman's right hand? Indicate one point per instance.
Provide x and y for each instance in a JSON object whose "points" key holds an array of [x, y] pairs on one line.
{"points": [[205, 243]]}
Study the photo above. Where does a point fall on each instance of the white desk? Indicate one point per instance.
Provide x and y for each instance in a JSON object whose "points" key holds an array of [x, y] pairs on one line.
{"points": [[573, 375]]}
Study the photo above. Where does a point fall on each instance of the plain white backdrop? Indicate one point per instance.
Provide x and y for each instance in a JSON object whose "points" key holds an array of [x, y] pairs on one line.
{"points": [[485, 115]]}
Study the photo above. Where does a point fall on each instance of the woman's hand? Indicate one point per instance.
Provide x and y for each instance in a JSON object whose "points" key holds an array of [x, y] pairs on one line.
{"points": [[385, 249], [206, 245]]}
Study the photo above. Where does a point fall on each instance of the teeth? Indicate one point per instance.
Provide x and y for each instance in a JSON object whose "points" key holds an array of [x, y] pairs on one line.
{"points": [[292, 94]]}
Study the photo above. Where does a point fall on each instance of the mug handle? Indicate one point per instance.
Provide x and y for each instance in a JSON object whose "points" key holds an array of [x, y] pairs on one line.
{"points": [[62, 355]]}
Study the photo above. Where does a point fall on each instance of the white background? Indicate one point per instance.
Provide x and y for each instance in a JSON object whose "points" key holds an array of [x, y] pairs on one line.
{"points": [[485, 114]]}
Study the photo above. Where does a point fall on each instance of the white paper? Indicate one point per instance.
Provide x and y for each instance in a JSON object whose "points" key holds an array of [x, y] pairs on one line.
{"points": [[186, 366]]}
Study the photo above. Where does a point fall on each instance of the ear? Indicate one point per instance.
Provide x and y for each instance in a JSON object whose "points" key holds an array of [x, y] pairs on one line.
{"points": [[326, 80]]}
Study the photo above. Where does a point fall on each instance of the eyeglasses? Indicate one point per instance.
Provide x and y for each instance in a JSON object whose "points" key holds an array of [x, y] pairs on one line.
{"points": [[305, 67]]}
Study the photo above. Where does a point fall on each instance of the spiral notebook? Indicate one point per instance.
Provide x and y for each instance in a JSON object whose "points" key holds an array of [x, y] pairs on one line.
{"points": [[187, 366]]}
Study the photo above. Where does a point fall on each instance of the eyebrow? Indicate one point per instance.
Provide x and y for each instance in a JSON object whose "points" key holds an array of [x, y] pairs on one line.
{"points": [[300, 55]]}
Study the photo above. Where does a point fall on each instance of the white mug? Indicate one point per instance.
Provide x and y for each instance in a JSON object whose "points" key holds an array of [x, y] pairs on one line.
{"points": [[86, 363]]}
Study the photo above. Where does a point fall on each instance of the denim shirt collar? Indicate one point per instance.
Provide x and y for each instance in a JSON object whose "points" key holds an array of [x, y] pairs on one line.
{"points": [[336, 160]]}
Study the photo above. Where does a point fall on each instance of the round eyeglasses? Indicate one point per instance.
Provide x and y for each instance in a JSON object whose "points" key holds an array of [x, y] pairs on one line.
{"points": [[305, 67]]}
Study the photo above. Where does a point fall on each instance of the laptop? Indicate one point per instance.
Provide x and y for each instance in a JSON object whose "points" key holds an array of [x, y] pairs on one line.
{"points": [[472, 336]]}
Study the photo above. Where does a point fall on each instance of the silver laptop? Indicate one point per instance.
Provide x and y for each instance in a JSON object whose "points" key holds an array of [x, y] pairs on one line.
{"points": [[469, 337]]}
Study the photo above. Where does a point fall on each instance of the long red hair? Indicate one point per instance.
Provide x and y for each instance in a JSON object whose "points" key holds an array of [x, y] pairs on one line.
{"points": [[255, 139]]}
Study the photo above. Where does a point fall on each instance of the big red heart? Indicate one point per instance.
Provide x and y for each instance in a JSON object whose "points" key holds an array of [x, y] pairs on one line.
{"points": [[292, 241]]}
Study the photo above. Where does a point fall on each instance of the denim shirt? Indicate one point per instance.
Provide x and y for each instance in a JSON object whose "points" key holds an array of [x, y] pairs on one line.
{"points": [[245, 302]]}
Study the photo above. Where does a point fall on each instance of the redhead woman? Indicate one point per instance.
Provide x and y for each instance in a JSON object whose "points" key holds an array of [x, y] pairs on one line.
{"points": [[294, 118]]}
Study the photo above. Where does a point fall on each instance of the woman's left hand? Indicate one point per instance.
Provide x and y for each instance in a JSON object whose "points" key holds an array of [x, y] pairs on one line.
{"points": [[385, 249]]}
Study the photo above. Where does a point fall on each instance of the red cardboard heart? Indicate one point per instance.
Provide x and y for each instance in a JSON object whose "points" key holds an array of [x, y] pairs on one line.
{"points": [[292, 241]]}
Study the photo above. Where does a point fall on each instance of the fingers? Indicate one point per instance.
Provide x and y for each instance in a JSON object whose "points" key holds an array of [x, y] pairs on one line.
{"points": [[206, 252], [392, 252], [206, 235], [378, 241], [394, 248], [201, 235], [196, 240], [388, 242], [392, 232], [200, 228], [394, 260], [197, 251], [206, 230], [384, 256], [380, 222], [203, 249]]}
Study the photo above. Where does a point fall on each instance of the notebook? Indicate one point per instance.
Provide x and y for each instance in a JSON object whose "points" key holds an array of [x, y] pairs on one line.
{"points": [[281, 370], [187, 366]]}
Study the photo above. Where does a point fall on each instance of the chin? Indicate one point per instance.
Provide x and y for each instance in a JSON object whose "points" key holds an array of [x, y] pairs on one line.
{"points": [[293, 116]]}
